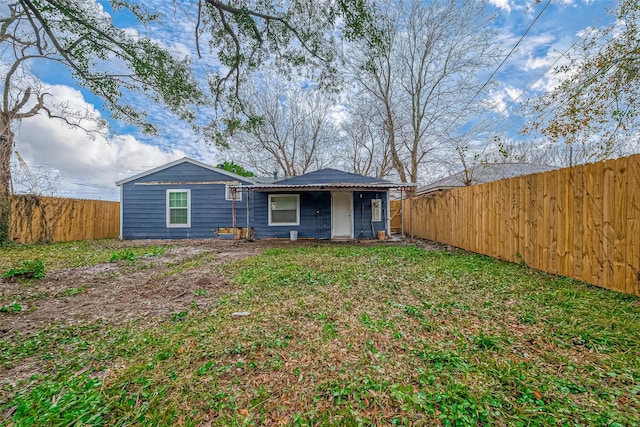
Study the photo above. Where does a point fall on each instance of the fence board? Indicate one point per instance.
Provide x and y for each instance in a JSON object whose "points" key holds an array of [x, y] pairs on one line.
{"points": [[530, 214], [577, 185], [619, 225], [633, 227], [563, 230], [608, 218], [551, 211], [50, 219], [581, 222]]}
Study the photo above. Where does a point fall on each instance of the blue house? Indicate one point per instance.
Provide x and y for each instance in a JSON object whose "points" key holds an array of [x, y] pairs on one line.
{"points": [[189, 199], [184, 199]]}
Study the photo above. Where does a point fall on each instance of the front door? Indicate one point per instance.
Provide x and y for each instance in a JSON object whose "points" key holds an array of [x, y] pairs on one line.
{"points": [[342, 215]]}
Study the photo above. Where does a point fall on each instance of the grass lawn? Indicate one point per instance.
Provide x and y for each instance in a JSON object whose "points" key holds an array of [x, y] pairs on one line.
{"points": [[73, 254], [349, 335]]}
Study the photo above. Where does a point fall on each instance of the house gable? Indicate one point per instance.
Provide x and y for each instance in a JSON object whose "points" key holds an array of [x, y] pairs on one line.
{"points": [[145, 204], [220, 173]]}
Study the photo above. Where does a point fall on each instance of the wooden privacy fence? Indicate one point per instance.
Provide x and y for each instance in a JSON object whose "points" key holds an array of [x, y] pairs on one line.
{"points": [[50, 219], [581, 222], [395, 210]]}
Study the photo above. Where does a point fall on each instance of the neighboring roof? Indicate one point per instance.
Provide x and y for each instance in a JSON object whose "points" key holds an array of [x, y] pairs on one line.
{"points": [[484, 172], [180, 161], [328, 179]]}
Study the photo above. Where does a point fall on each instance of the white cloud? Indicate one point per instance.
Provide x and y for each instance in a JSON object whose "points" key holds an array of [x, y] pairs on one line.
{"points": [[501, 4], [89, 165], [338, 114], [500, 100]]}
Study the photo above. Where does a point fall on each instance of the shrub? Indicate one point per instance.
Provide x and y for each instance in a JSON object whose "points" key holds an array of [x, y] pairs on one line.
{"points": [[123, 255], [11, 308], [29, 269]]}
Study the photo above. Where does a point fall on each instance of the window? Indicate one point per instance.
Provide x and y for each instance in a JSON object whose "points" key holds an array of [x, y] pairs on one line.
{"points": [[228, 194], [376, 209], [284, 209], [178, 208]]}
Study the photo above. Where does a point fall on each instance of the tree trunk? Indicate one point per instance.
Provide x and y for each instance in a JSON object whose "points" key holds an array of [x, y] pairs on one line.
{"points": [[6, 145]]}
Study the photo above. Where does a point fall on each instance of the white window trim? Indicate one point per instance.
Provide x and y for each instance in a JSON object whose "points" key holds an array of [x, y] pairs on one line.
{"points": [[373, 217], [227, 194], [297, 196], [168, 213]]}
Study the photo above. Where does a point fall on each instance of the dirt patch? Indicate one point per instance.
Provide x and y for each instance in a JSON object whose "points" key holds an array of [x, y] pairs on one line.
{"points": [[149, 289]]}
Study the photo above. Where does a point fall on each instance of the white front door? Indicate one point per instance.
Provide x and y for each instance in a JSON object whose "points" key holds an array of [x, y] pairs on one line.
{"points": [[342, 215]]}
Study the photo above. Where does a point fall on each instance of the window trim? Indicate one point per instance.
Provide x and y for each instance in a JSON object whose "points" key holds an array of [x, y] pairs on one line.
{"points": [[168, 210], [227, 194], [277, 224], [375, 218]]}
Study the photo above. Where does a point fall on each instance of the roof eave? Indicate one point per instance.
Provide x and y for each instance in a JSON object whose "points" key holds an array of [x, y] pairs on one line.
{"points": [[327, 186], [179, 161]]}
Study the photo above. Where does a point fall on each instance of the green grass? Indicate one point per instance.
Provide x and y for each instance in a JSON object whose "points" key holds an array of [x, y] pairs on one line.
{"points": [[28, 270], [349, 335], [72, 254]]}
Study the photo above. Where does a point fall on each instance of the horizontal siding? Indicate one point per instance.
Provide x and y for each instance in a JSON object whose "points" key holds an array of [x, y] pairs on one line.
{"points": [[362, 215], [144, 206], [315, 216]]}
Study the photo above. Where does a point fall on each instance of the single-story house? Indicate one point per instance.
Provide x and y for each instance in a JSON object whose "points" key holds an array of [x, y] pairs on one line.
{"points": [[481, 173], [187, 199]]}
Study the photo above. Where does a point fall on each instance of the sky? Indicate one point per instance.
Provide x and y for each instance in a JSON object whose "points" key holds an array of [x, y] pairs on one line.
{"points": [[80, 166]]}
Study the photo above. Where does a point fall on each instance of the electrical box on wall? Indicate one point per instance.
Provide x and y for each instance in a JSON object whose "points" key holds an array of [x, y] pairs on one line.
{"points": [[376, 210]]}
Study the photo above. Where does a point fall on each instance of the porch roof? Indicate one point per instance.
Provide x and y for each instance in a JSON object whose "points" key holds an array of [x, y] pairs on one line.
{"points": [[360, 186]]}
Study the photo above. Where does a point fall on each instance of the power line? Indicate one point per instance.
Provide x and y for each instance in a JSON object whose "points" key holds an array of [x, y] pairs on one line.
{"points": [[564, 53], [513, 49]]}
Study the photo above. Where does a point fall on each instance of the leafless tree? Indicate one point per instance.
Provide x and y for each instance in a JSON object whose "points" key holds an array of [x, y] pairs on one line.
{"points": [[426, 78], [293, 133], [103, 58], [365, 148], [35, 180]]}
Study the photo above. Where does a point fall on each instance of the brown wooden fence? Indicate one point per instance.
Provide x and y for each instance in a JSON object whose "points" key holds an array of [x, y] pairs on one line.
{"points": [[50, 219], [395, 212], [581, 222]]}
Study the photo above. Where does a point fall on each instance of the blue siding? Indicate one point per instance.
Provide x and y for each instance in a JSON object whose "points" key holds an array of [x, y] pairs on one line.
{"points": [[144, 206], [362, 214], [315, 216]]}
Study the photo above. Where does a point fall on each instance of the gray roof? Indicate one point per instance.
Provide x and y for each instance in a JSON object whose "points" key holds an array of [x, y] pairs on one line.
{"points": [[326, 176], [184, 160], [326, 179], [484, 172], [264, 179]]}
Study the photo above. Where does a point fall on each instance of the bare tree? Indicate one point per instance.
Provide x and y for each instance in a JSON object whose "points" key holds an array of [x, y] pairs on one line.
{"points": [[35, 180], [426, 78], [105, 59], [292, 133], [366, 150]]}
